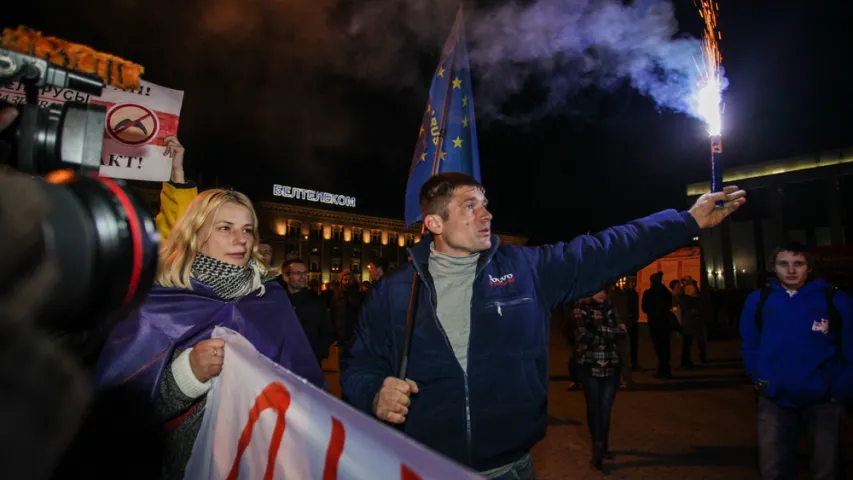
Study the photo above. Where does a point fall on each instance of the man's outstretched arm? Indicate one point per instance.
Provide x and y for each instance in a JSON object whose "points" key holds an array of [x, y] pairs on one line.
{"points": [[570, 270]]}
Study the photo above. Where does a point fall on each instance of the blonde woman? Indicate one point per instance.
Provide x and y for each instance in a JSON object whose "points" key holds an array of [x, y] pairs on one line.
{"points": [[210, 274]]}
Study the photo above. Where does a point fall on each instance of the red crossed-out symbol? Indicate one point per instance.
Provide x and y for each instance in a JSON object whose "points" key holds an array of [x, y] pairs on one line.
{"points": [[132, 124]]}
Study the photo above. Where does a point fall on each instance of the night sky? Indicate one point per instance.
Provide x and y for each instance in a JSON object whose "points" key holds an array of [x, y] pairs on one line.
{"points": [[328, 94]]}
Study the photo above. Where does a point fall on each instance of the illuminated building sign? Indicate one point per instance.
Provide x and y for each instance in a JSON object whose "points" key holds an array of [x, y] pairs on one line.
{"points": [[312, 196]]}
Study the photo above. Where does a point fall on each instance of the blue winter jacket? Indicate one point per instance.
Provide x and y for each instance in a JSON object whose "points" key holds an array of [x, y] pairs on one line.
{"points": [[794, 360], [495, 413]]}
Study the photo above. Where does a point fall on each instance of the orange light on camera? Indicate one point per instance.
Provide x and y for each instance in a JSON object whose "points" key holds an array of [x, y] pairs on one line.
{"points": [[60, 177]]}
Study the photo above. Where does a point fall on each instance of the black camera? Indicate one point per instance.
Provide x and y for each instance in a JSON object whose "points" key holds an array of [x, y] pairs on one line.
{"points": [[100, 236]]}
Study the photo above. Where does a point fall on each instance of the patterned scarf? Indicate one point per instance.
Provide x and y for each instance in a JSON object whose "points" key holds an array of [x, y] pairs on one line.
{"points": [[227, 281]]}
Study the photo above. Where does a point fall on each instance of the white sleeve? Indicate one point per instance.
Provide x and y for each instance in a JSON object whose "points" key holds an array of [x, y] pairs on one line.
{"points": [[185, 378]]}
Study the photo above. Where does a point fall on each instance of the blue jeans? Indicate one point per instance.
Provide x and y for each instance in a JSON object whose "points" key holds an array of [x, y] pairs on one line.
{"points": [[779, 439], [521, 470], [599, 393]]}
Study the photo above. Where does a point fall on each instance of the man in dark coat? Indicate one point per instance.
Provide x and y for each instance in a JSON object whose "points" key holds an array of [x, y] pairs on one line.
{"points": [[309, 307], [657, 305]]}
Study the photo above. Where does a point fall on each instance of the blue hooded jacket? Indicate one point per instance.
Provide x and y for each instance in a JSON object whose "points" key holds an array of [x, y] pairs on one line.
{"points": [[493, 414], [794, 360]]}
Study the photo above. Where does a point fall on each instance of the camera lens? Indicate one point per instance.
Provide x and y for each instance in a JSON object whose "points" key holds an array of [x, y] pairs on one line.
{"points": [[105, 244], [59, 136]]}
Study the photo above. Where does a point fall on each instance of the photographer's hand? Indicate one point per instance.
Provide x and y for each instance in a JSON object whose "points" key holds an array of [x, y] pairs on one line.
{"points": [[175, 150], [7, 116]]}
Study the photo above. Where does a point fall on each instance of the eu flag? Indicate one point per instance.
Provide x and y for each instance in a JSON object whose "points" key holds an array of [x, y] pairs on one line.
{"points": [[447, 139]]}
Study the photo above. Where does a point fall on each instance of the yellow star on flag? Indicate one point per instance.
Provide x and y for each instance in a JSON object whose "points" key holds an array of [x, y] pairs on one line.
{"points": [[457, 83], [465, 101], [464, 123], [423, 156], [441, 155], [422, 128], [457, 143], [441, 72]]}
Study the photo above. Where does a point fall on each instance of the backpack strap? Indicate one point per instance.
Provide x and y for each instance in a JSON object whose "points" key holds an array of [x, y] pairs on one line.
{"points": [[759, 311], [835, 322]]}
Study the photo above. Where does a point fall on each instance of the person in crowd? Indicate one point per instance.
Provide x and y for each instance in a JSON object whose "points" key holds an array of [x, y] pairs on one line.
{"points": [[657, 305], [797, 347], [345, 305], [210, 274], [476, 388], [309, 308], [567, 313], [599, 364], [378, 267], [618, 300], [265, 251], [691, 320], [177, 193], [705, 311], [329, 294], [633, 322]]}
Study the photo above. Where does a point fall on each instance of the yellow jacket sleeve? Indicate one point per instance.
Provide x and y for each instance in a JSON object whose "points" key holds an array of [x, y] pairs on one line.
{"points": [[174, 200]]}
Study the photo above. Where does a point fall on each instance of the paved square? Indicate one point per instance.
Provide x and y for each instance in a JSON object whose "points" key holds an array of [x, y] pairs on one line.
{"points": [[698, 425]]}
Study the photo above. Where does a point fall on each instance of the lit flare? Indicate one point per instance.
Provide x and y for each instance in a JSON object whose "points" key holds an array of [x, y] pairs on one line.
{"points": [[710, 95]]}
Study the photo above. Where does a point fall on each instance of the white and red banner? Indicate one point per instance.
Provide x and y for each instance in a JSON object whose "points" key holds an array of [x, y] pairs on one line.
{"points": [[263, 422], [136, 123]]}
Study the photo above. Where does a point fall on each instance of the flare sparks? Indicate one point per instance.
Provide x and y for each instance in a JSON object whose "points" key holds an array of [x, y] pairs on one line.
{"points": [[710, 96]]}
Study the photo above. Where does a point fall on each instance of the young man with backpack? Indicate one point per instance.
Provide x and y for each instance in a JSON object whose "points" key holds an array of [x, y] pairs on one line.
{"points": [[797, 347]]}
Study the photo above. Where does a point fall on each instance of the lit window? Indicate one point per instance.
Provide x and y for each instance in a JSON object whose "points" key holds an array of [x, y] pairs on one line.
{"points": [[293, 229]]}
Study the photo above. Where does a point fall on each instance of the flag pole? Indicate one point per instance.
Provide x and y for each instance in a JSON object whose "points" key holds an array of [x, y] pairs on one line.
{"points": [[403, 365]]}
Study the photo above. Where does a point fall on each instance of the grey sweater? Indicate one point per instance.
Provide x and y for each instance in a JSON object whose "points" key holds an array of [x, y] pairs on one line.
{"points": [[172, 403], [454, 285]]}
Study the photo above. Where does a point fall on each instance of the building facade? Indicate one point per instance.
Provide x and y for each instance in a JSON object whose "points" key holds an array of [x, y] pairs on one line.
{"points": [[329, 241], [803, 199]]}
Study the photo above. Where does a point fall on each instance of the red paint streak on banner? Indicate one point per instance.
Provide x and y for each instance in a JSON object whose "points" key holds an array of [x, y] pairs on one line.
{"points": [[407, 473], [335, 450], [274, 396]]}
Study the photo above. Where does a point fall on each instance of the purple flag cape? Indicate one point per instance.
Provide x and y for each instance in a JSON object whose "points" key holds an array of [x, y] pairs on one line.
{"points": [[141, 346]]}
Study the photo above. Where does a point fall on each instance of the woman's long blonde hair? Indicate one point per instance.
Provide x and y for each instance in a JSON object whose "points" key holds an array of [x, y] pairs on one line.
{"points": [[185, 241]]}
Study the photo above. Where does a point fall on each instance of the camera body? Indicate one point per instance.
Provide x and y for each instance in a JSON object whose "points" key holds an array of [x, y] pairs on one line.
{"points": [[57, 136], [101, 238]]}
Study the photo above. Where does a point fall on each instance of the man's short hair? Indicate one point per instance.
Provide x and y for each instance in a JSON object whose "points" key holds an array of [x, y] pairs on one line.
{"points": [[438, 190], [380, 263], [796, 248], [290, 262]]}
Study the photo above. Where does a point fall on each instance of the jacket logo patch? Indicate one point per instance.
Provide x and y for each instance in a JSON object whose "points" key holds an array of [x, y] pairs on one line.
{"points": [[821, 326], [501, 282]]}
